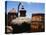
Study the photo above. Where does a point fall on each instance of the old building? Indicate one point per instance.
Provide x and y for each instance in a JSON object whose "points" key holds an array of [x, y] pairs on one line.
{"points": [[22, 12], [22, 23], [37, 23], [12, 15]]}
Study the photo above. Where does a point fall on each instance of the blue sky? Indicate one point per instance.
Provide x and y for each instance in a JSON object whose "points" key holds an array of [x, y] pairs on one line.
{"points": [[29, 7]]}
